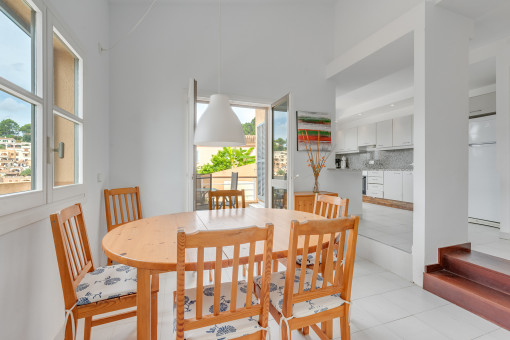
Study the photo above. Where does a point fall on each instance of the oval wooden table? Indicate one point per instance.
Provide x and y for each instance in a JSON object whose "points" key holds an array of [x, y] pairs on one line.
{"points": [[149, 244]]}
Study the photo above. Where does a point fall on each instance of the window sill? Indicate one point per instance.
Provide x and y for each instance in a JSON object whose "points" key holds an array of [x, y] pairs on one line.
{"points": [[24, 218]]}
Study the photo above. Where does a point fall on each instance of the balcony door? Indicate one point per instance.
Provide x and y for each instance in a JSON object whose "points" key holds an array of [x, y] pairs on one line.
{"points": [[280, 190]]}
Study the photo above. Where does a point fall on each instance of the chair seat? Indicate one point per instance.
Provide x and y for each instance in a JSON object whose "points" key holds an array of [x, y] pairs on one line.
{"points": [[305, 308], [226, 330], [310, 259], [106, 283]]}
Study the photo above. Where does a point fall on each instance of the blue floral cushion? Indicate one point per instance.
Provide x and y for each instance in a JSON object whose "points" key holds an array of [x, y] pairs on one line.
{"points": [[226, 330], [106, 283], [310, 258], [303, 308]]}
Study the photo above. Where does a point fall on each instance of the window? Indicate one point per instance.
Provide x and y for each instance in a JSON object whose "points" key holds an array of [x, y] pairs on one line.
{"points": [[40, 135]]}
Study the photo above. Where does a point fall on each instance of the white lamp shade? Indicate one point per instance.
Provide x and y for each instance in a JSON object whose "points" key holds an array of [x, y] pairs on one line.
{"points": [[219, 125]]}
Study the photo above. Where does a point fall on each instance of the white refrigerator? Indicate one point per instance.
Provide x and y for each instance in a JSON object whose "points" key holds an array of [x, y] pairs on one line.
{"points": [[483, 175]]}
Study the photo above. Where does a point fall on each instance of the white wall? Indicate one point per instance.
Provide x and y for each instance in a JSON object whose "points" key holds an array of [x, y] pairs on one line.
{"points": [[356, 20], [31, 301], [269, 49]]}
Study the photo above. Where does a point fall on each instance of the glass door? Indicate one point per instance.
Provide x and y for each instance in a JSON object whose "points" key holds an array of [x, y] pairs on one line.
{"points": [[279, 184]]}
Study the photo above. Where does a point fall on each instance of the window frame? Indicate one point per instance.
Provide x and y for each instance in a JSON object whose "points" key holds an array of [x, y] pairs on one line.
{"points": [[22, 208]]}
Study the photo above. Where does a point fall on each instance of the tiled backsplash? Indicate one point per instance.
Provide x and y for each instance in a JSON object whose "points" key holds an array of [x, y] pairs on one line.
{"points": [[390, 159]]}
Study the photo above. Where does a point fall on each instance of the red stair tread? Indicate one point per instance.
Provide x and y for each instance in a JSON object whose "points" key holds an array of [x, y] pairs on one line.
{"points": [[490, 262], [471, 287]]}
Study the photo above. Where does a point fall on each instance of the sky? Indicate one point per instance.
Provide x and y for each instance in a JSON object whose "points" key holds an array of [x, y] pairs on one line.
{"points": [[15, 66]]}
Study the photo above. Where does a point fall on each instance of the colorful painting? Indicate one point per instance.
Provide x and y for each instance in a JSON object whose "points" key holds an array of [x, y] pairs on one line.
{"points": [[314, 127]]}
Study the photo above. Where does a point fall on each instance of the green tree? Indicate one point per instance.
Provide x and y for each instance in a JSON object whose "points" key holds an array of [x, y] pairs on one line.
{"points": [[2, 146], [26, 130], [249, 128], [27, 172], [280, 144], [228, 158], [9, 128]]}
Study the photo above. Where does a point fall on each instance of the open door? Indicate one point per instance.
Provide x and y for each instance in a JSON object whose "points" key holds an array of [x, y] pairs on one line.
{"points": [[279, 193], [191, 153]]}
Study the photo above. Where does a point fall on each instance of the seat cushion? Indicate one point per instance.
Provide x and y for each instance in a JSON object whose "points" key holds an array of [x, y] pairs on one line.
{"points": [[303, 308], [106, 283], [226, 330], [310, 258]]}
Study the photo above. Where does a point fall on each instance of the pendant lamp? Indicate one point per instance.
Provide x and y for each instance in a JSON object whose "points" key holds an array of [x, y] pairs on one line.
{"points": [[219, 125]]}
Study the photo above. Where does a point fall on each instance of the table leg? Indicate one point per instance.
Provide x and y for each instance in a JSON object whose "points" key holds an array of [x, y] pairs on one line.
{"points": [[143, 304]]}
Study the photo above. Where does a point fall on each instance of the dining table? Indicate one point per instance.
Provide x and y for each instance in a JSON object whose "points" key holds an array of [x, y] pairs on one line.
{"points": [[150, 244]]}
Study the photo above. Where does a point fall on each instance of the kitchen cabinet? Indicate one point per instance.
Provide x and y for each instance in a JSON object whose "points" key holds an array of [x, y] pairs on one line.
{"points": [[340, 141], [367, 135], [485, 103], [347, 140], [384, 133], [351, 139], [407, 186], [393, 185], [403, 131]]}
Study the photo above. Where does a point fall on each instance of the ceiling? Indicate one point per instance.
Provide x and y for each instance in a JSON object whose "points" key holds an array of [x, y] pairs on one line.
{"points": [[388, 73]]}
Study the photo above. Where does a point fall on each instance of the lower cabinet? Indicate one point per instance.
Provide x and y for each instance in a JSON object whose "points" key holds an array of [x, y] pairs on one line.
{"points": [[393, 185], [407, 186]]}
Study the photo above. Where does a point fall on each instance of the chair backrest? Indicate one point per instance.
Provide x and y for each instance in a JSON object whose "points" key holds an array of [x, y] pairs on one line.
{"points": [[330, 206], [221, 239], [223, 199], [311, 236], [73, 250], [124, 203], [234, 180]]}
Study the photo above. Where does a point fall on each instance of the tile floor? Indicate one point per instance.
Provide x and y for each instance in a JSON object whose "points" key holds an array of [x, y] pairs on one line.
{"points": [[385, 306], [394, 227]]}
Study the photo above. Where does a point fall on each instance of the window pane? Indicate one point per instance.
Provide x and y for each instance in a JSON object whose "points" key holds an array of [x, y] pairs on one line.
{"points": [[280, 122], [17, 53], [65, 68], [66, 167], [16, 144]]}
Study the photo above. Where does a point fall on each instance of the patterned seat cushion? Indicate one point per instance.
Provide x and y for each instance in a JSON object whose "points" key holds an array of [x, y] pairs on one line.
{"points": [[226, 330], [106, 283], [303, 308], [310, 258]]}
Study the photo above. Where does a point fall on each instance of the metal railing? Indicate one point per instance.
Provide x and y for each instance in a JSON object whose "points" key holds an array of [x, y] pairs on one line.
{"points": [[248, 183]]}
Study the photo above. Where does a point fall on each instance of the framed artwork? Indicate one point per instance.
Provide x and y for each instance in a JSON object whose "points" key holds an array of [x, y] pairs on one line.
{"points": [[314, 127]]}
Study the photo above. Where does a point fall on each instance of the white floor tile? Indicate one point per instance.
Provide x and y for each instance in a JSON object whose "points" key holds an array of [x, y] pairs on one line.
{"points": [[500, 334], [413, 329]]}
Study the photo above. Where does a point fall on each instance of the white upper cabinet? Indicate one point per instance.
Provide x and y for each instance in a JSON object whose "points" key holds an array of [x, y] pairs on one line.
{"points": [[351, 139], [367, 135], [385, 134], [340, 140], [403, 131]]}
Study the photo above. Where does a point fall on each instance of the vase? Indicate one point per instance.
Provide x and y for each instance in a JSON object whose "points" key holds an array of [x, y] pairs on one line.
{"points": [[316, 184]]}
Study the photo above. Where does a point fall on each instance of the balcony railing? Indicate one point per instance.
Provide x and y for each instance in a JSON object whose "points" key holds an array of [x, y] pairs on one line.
{"points": [[248, 183]]}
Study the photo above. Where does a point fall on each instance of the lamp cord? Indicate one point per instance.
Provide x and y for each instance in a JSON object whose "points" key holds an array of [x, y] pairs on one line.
{"points": [[101, 49], [219, 47]]}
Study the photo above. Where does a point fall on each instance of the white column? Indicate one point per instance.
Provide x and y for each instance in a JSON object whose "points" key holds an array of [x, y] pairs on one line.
{"points": [[441, 64], [503, 136]]}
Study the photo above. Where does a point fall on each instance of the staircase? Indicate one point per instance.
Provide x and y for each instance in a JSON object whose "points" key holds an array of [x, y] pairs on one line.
{"points": [[477, 282]]}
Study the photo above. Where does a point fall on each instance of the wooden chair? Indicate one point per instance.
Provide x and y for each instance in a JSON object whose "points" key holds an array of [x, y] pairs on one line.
{"points": [[228, 198], [90, 291], [221, 199], [228, 308], [328, 207], [126, 206], [302, 297]]}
